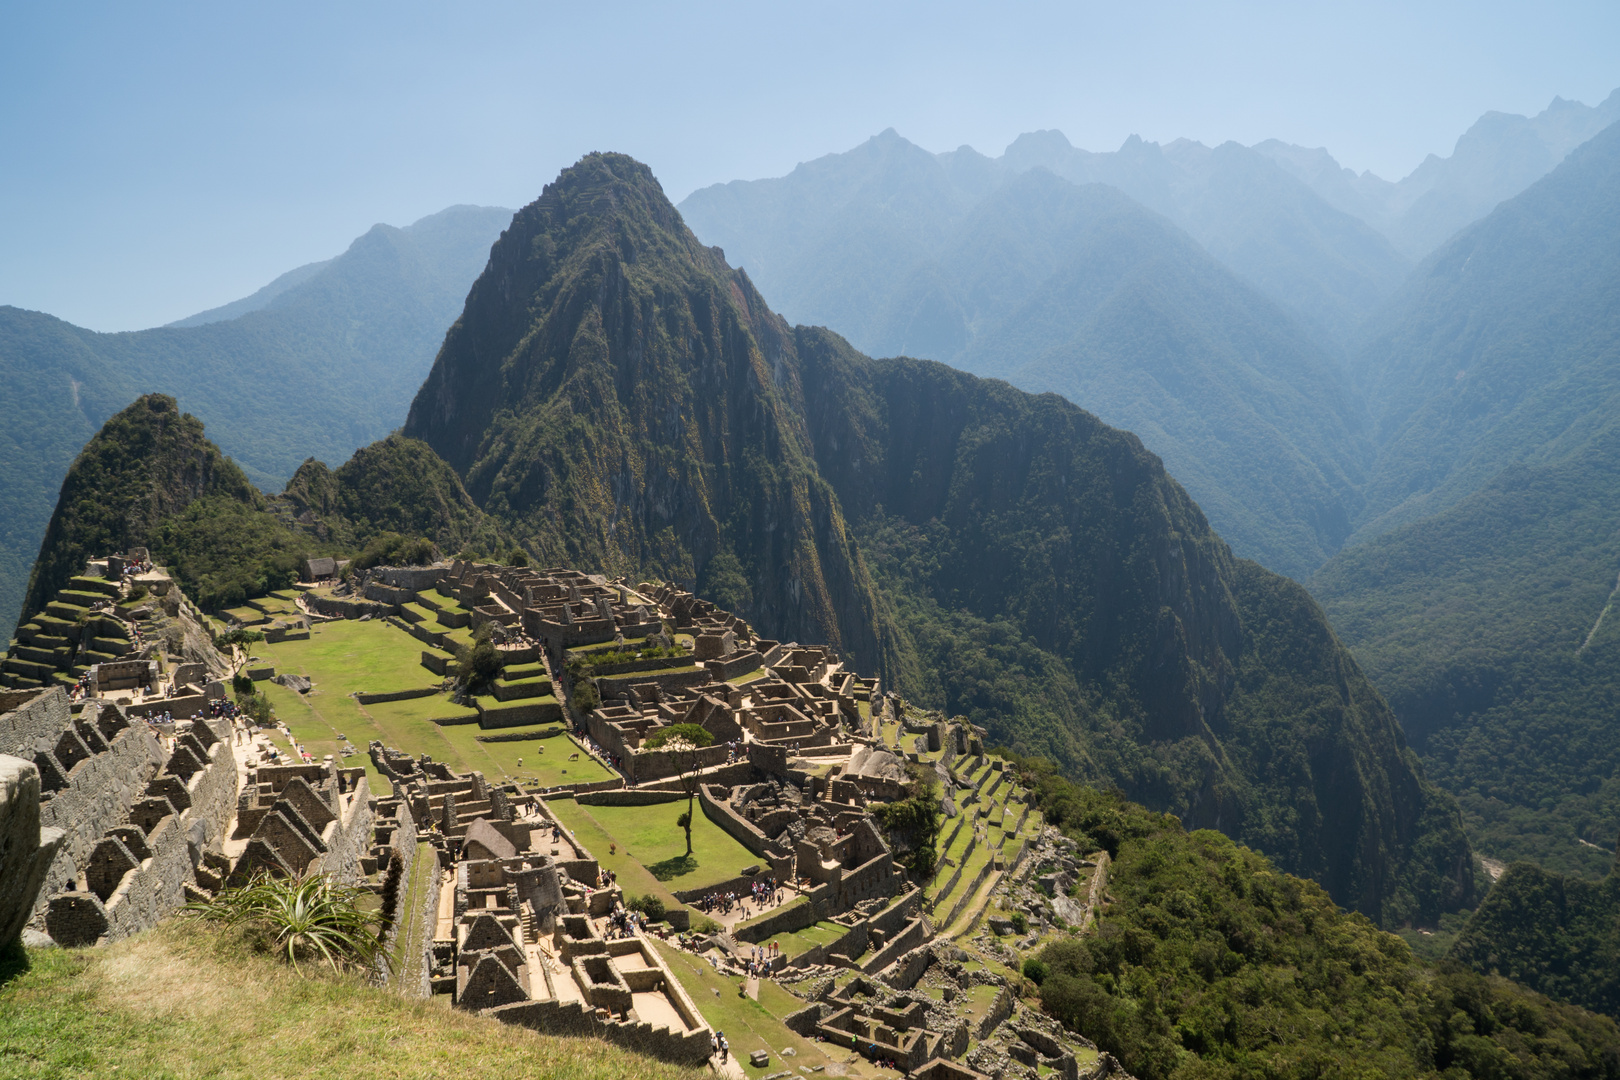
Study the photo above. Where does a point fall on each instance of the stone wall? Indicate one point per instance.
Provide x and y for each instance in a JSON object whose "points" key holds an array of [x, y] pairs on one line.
{"points": [[1000, 1009], [627, 797], [26, 849], [658, 764], [159, 855], [334, 608], [414, 578], [350, 835], [734, 824], [35, 714], [98, 795], [181, 708], [914, 934], [784, 920]]}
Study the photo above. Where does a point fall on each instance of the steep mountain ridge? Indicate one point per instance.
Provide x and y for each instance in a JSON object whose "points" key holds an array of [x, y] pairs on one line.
{"points": [[617, 395], [146, 465], [321, 368]]}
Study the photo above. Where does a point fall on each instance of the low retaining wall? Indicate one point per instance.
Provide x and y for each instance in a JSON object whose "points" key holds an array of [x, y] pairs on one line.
{"points": [[398, 695], [628, 797], [520, 736]]}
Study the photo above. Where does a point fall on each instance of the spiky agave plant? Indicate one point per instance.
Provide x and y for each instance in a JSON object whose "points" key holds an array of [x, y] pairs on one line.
{"points": [[303, 918]]}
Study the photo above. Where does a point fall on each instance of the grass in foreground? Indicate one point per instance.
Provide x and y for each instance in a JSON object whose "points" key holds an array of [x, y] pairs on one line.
{"points": [[183, 1002]]}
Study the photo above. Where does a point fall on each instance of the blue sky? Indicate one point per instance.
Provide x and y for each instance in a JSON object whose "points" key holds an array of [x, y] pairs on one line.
{"points": [[156, 160]]}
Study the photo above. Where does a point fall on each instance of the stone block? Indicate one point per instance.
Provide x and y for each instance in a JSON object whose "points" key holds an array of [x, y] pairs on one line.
{"points": [[759, 1058], [26, 850]]}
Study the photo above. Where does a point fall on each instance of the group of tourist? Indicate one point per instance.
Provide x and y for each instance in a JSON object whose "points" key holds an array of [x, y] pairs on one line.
{"points": [[132, 567], [762, 894], [760, 959], [722, 1049], [623, 923]]}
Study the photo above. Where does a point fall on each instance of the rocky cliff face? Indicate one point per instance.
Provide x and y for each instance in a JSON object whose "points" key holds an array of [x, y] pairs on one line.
{"points": [[619, 396]]}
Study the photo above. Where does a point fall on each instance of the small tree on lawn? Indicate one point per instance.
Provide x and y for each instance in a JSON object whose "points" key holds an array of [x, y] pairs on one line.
{"points": [[684, 740]]}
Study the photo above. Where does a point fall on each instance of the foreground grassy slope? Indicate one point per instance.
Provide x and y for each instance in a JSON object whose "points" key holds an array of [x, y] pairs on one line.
{"points": [[181, 1002]]}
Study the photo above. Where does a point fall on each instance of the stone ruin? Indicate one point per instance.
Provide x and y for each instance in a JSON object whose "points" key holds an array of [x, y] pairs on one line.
{"points": [[515, 935]]}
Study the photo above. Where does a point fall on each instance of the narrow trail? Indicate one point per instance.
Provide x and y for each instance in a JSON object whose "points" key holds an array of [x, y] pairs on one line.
{"points": [[1592, 633]]}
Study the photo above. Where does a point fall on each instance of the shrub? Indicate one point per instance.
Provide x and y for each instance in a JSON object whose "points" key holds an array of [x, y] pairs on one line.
{"points": [[242, 685], [1019, 923], [1035, 971], [650, 906], [303, 918]]}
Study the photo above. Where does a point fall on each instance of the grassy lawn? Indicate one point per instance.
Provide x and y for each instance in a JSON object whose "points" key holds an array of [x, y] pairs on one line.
{"points": [[802, 941], [753, 676], [545, 761], [180, 1001], [653, 838], [634, 879], [342, 657], [756, 1025]]}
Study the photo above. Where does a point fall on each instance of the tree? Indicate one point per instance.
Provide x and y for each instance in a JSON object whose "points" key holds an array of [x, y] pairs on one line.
{"points": [[685, 740]]}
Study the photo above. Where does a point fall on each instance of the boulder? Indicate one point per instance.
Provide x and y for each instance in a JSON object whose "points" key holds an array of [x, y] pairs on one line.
{"points": [[759, 1058]]}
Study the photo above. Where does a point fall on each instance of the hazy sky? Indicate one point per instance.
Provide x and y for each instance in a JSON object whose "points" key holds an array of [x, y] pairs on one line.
{"points": [[159, 159]]}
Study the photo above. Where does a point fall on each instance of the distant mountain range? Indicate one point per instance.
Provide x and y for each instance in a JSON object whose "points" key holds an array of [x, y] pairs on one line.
{"points": [[1007, 268], [1209, 299], [1500, 156], [321, 361]]}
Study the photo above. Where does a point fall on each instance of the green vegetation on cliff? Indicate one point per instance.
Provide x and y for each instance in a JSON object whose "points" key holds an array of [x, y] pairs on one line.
{"points": [[143, 468], [1490, 628], [150, 478], [618, 396], [1207, 962], [395, 485], [1556, 934]]}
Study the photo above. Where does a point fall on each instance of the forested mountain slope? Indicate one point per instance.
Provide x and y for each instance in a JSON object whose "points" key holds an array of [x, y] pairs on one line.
{"points": [[1557, 934], [619, 396], [1489, 626], [320, 368], [151, 478], [1002, 268], [1486, 617]]}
